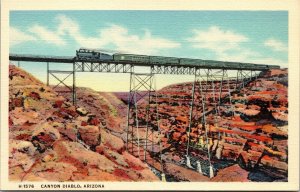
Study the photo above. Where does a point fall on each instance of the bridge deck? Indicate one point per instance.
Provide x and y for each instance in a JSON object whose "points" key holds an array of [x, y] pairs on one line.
{"points": [[208, 64]]}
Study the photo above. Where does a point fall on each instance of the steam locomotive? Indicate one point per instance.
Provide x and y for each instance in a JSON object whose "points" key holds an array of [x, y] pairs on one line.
{"points": [[92, 54]]}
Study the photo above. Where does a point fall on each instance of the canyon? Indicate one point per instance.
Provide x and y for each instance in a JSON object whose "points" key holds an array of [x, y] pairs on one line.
{"points": [[50, 139]]}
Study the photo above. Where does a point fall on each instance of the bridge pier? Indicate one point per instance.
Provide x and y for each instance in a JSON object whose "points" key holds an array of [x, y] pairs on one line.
{"points": [[56, 74], [138, 82], [74, 85], [213, 87], [243, 77], [211, 171], [191, 114], [188, 162], [203, 81], [47, 73], [163, 177], [143, 134], [199, 167]]}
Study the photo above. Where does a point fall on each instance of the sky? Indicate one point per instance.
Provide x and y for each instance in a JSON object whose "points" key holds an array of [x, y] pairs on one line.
{"points": [[245, 36]]}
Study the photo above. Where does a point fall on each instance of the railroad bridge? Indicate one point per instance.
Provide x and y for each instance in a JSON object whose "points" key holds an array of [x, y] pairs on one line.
{"points": [[143, 119]]}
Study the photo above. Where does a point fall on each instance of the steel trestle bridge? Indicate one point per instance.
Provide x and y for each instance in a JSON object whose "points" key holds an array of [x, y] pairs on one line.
{"points": [[143, 119]]}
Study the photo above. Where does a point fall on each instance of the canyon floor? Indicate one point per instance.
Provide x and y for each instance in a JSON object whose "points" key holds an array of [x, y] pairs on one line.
{"points": [[50, 139]]}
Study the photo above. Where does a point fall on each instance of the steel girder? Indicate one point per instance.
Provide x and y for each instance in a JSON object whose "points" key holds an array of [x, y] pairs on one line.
{"points": [[103, 67], [175, 70]]}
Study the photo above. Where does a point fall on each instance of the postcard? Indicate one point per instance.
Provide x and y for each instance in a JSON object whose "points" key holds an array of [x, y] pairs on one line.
{"points": [[150, 95]]}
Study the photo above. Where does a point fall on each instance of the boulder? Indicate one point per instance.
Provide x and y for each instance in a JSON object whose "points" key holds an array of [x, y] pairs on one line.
{"points": [[274, 163], [44, 137], [81, 111], [233, 173], [111, 141], [184, 174], [19, 116], [90, 135], [32, 103], [21, 154], [22, 146]]}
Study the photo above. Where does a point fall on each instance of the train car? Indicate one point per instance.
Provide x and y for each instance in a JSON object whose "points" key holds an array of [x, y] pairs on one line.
{"points": [[214, 64], [163, 60], [132, 58], [244, 65], [92, 54], [186, 61], [232, 65], [261, 67], [274, 66], [258, 66], [252, 66]]}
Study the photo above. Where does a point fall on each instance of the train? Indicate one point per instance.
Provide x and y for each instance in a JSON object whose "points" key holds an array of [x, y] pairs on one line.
{"points": [[92, 54]]}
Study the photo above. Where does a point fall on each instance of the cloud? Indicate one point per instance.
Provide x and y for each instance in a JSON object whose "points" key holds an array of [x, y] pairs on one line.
{"points": [[111, 36], [227, 45], [216, 39], [241, 55], [44, 34], [69, 27], [276, 45], [116, 36], [143, 44], [16, 36]]}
